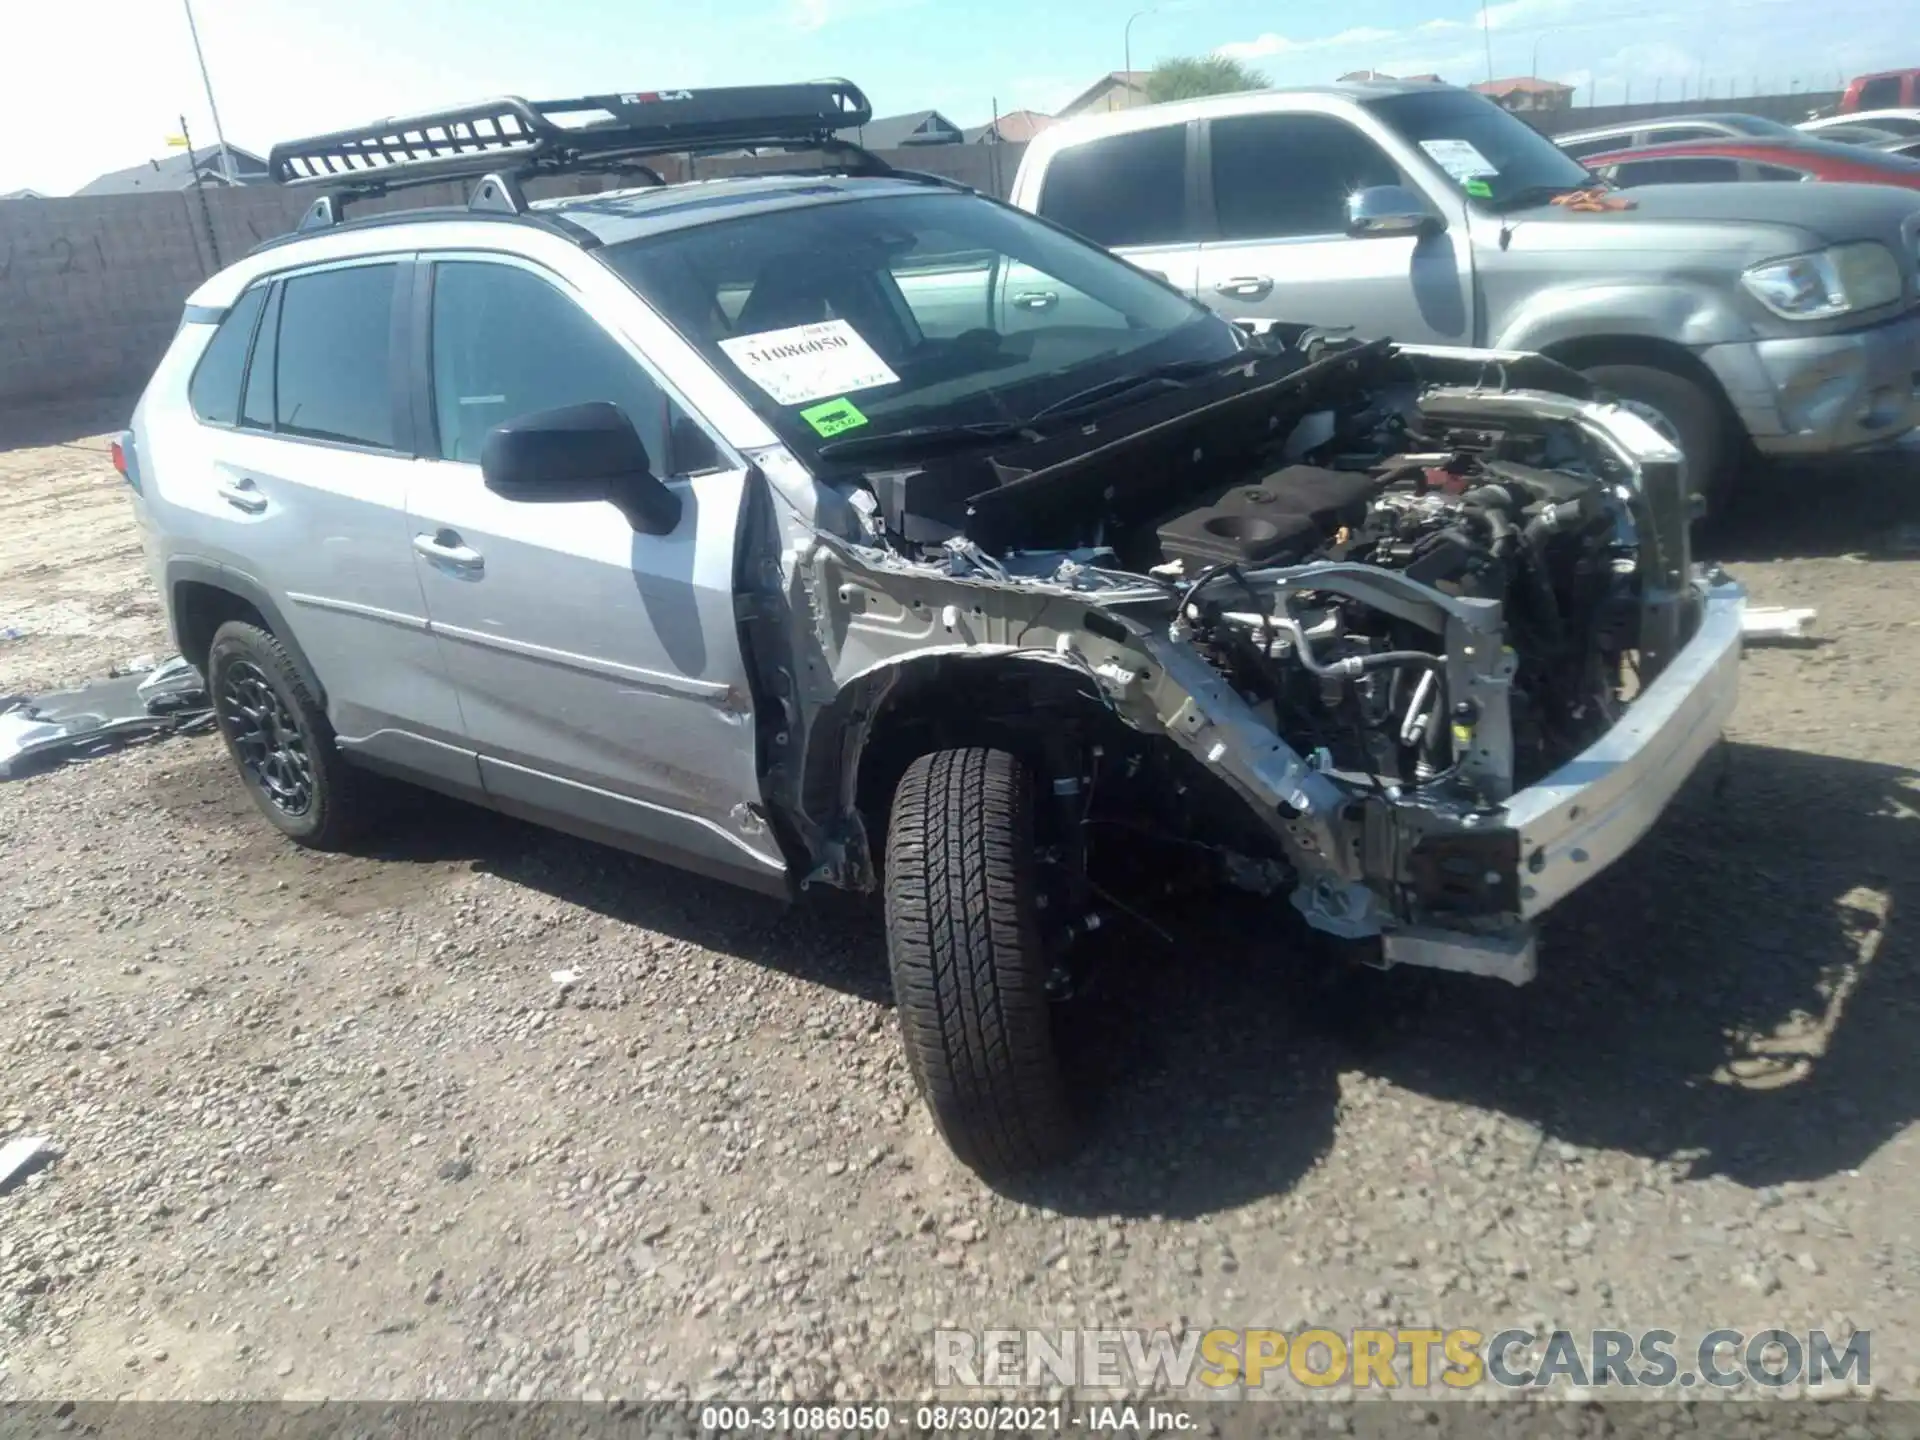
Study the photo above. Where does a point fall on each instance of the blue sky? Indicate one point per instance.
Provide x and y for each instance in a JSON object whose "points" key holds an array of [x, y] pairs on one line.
{"points": [[112, 75]]}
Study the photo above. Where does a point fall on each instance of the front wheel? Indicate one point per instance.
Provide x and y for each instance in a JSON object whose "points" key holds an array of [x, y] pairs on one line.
{"points": [[1687, 415], [969, 971]]}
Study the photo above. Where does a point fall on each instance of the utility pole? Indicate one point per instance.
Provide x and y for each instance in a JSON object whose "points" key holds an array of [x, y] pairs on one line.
{"points": [[206, 210], [1486, 34], [219, 135]]}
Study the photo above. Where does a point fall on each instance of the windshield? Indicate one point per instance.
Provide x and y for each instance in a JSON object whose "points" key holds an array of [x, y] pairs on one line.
{"points": [[1496, 159], [874, 315]]}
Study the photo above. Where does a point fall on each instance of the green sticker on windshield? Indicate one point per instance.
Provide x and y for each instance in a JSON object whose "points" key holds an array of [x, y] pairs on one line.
{"points": [[830, 417], [1479, 189]]}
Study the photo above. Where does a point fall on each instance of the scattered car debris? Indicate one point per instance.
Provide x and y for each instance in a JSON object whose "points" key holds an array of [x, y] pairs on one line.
{"points": [[1761, 623], [43, 730], [23, 1157]]}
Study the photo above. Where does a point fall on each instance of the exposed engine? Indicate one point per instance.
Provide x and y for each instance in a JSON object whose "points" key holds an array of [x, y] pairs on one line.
{"points": [[1366, 690]]}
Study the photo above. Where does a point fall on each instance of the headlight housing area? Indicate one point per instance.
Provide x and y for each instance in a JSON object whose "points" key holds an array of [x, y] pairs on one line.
{"points": [[1836, 281]]}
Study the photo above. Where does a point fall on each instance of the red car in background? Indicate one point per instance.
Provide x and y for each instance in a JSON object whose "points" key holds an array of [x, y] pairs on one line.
{"points": [[1690, 162]]}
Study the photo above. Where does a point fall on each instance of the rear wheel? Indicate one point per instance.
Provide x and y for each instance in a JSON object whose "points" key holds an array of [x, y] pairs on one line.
{"points": [[1687, 415], [281, 742], [969, 971]]}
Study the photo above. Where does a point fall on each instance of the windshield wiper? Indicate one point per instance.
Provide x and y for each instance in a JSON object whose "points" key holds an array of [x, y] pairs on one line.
{"points": [[922, 440], [1173, 375]]}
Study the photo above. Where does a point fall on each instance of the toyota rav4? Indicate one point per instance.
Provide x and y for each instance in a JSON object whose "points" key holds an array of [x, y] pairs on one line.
{"points": [[768, 526]]}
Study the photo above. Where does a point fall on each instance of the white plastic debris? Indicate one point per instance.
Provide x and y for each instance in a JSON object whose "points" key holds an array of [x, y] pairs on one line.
{"points": [[20, 1158], [565, 977], [1774, 622]]}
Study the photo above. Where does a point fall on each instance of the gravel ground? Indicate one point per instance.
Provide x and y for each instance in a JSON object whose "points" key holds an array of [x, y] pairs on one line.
{"points": [[331, 1128]]}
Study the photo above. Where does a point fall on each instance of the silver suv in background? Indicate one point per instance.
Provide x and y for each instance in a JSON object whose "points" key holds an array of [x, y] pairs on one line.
{"points": [[1778, 317], [848, 528]]}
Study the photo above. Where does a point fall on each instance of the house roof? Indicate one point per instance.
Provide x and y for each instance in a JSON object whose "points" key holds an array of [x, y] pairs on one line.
{"points": [[22, 195], [1367, 75], [1428, 79], [1016, 127], [1124, 79], [175, 172], [1520, 85], [892, 132]]}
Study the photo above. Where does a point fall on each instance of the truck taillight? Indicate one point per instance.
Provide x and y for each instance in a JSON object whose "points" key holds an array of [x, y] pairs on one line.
{"points": [[119, 453]]}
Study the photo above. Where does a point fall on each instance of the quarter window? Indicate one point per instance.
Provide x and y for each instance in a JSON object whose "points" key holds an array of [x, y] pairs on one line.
{"points": [[333, 371], [214, 391], [1128, 189], [506, 343]]}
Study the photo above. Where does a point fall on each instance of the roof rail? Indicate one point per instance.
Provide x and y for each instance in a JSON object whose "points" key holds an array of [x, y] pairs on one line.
{"points": [[505, 141]]}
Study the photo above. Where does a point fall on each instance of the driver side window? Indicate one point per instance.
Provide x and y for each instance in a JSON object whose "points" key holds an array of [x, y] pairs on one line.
{"points": [[1278, 176], [507, 343]]}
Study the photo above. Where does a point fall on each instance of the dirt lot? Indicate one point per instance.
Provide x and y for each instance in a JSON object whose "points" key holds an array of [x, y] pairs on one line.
{"points": [[330, 1128]]}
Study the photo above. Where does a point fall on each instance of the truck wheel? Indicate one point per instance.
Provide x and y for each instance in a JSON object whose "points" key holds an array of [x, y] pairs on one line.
{"points": [[1683, 412], [281, 742], [969, 975]]}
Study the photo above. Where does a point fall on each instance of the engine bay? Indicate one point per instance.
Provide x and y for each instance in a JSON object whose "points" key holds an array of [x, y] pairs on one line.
{"points": [[1342, 472]]}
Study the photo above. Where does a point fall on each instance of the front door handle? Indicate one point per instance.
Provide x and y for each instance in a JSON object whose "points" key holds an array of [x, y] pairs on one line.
{"points": [[1037, 299], [243, 495], [1246, 287], [445, 547]]}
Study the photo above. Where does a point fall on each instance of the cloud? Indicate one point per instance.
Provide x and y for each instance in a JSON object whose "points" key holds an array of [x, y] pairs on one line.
{"points": [[1270, 44], [819, 14]]}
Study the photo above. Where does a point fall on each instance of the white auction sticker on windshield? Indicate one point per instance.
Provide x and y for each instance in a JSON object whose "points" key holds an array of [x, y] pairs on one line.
{"points": [[1459, 159], [808, 361]]}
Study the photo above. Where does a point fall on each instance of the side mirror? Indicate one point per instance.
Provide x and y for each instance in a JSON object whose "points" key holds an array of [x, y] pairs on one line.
{"points": [[581, 452], [1388, 210]]}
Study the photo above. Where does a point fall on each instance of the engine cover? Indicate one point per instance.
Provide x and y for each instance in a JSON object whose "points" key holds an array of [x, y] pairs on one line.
{"points": [[1278, 519]]}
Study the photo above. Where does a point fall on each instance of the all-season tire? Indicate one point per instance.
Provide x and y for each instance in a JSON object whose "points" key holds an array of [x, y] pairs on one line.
{"points": [[309, 793], [969, 976], [1693, 419]]}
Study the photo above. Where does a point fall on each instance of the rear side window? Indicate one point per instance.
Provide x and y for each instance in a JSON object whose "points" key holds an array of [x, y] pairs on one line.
{"points": [[214, 391], [333, 370], [1881, 94], [1282, 175], [1580, 149], [1124, 190], [1681, 170]]}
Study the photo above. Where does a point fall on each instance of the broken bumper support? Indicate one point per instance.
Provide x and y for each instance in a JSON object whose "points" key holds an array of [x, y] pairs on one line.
{"points": [[1558, 834]]}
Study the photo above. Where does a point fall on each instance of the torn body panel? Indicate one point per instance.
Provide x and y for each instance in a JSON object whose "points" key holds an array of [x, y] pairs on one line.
{"points": [[1438, 828]]}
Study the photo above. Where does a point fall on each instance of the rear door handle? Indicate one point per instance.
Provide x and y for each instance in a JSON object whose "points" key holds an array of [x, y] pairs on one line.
{"points": [[1037, 299], [445, 547], [243, 494], [1245, 287]]}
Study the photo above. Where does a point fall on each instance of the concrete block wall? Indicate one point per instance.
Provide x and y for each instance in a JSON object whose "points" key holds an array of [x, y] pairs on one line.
{"points": [[91, 289]]}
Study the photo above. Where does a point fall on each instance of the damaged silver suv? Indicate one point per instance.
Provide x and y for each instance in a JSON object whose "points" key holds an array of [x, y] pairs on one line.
{"points": [[839, 526]]}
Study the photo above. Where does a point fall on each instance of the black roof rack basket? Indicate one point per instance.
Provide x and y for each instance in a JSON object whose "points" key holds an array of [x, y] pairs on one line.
{"points": [[526, 138]]}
